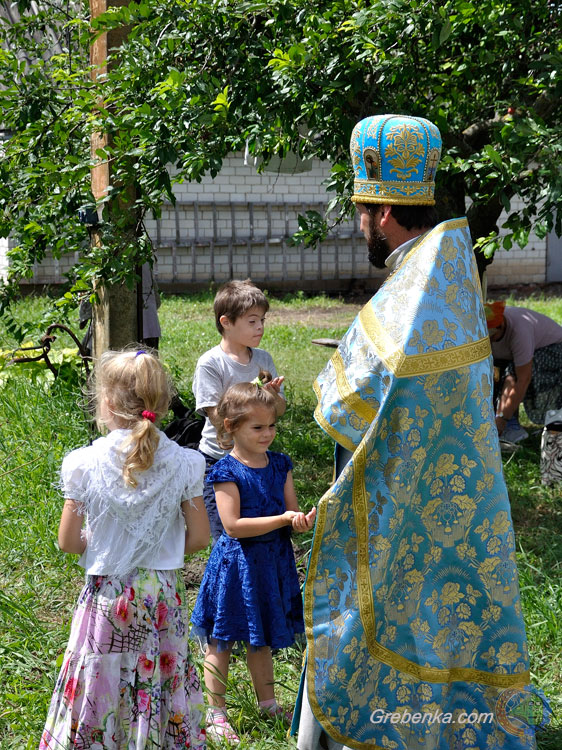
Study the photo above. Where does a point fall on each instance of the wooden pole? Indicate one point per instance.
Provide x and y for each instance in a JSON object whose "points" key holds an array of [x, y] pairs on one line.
{"points": [[115, 318]]}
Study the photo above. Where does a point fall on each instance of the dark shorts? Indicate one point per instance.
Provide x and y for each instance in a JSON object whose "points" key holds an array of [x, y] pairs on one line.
{"points": [[545, 389]]}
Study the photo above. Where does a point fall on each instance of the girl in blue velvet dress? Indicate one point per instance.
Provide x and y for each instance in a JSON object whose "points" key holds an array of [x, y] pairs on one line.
{"points": [[250, 591]]}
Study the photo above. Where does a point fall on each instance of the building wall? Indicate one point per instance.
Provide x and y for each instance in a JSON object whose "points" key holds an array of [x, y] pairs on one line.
{"points": [[519, 266], [238, 225], [4, 245]]}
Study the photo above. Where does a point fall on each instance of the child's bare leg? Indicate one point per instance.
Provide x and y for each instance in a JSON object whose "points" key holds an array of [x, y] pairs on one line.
{"points": [[216, 674], [260, 664]]}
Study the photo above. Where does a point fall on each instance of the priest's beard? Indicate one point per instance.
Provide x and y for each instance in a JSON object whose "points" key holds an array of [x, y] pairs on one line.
{"points": [[377, 245]]}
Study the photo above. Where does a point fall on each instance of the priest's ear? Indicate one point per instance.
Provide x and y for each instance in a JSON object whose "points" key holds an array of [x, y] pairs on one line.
{"points": [[385, 215]]}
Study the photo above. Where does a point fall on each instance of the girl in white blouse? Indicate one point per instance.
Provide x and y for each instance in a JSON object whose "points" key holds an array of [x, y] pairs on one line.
{"points": [[133, 508]]}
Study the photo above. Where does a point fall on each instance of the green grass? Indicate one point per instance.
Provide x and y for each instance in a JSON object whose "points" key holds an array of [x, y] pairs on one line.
{"points": [[551, 306], [39, 585], [37, 582]]}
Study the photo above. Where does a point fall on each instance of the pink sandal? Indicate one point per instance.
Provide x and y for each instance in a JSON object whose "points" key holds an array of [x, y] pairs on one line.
{"points": [[218, 728]]}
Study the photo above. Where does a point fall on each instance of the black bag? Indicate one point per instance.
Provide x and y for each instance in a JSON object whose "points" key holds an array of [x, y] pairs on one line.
{"points": [[187, 426]]}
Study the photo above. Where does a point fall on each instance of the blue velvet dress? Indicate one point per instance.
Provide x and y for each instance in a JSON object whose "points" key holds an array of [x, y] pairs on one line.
{"points": [[250, 590]]}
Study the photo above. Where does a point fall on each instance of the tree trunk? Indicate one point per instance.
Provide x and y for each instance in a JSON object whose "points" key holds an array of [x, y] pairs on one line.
{"points": [[115, 317], [482, 220]]}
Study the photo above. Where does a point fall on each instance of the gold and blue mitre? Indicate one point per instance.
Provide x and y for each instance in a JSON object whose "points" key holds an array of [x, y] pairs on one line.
{"points": [[395, 158]]}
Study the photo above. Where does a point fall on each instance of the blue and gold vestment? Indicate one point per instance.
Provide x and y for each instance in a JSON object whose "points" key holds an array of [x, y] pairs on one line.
{"points": [[412, 601]]}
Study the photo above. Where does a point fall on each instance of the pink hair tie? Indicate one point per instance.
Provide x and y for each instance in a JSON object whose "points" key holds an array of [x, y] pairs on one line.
{"points": [[149, 415]]}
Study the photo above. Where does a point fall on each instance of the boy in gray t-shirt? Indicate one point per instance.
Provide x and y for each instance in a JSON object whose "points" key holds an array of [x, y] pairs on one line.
{"points": [[240, 309]]}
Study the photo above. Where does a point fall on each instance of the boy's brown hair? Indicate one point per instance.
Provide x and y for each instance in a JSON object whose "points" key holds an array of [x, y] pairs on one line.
{"points": [[235, 298]]}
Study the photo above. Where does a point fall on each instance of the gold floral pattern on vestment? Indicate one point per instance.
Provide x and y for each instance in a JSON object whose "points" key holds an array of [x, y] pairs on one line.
{"points": [[412, 591]]}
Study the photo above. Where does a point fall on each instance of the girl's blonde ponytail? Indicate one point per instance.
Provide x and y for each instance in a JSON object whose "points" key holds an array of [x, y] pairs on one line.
{"points": [[138, 391]]}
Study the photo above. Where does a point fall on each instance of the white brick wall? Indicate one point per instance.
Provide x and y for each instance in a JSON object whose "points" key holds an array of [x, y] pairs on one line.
{"points": [[280, 263], [519, 266], [240, 184], [4, 245]]}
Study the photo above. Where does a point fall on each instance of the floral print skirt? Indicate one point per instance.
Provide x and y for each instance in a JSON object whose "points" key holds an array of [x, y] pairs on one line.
{"points": [[127, 681]]}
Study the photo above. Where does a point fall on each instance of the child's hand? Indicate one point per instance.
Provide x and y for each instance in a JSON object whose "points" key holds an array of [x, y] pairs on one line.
{"points": [[275, 384], [302, 522], [289, 516]]}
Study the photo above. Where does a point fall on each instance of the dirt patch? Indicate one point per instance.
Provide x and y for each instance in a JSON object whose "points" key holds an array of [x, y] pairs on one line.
{"points": [[344, 313], [322, 317], [193, 570]]}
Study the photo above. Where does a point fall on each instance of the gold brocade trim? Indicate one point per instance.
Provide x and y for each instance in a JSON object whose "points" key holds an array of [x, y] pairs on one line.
{"points": [[351, 398], [339, 437], [446, 226], [361, 516], [321, 514], [412, 365], [395, 200], [321, 511], [387, 191], [455, 674], [308, 606], [380, 186], [371, 184]]}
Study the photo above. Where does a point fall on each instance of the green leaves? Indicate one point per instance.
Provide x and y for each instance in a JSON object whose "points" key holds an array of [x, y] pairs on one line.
{"points": [[445, 31], [221, 105], [493, 155], [312, 229], [198, 79]]}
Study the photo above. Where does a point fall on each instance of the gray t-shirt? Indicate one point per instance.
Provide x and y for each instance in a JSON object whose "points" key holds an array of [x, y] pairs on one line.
{"points": [[525, 332], [215, 372]]}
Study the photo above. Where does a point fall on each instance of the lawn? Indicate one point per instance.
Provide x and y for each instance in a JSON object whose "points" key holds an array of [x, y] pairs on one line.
{"points": [[41, 421]]}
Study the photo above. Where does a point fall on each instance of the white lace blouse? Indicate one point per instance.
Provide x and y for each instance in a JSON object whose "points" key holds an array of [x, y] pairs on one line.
{"points": [[128, 527]]}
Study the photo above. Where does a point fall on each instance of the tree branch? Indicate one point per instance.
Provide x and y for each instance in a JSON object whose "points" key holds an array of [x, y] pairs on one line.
{"points": [[478, 134]]}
